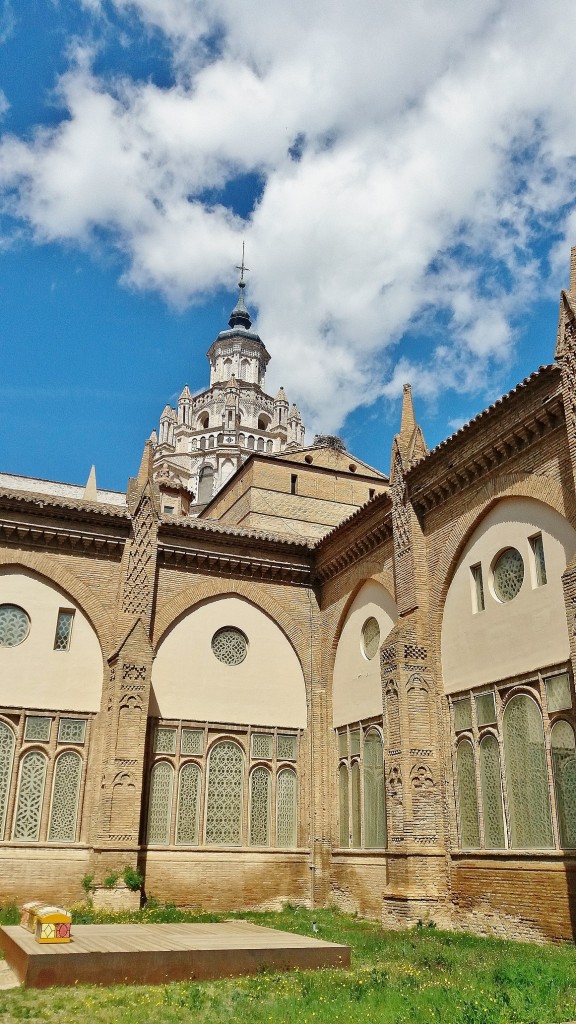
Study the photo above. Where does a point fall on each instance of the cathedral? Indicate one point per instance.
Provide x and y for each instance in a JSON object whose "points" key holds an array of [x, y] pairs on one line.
{"points": [[268, 672]]}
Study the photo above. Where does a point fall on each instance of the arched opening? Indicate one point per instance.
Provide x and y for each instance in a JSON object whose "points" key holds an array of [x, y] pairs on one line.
{"points": [[467, 797], [203, 421], [160, 803], [205, 484], [527, 775], [188, 805], [224, 798], [264, 421], [260, 794]]}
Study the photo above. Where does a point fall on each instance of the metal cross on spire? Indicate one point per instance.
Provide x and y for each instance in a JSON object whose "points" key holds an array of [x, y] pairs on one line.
{"points": [[242, 268]]}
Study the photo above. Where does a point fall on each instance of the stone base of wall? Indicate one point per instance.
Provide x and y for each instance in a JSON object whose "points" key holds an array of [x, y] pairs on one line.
{"points": [[43, 873], [227, 880], [117, 898]]}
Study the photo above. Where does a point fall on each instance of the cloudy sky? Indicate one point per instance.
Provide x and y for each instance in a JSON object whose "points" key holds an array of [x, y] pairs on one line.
{"points": [[403, 175]]}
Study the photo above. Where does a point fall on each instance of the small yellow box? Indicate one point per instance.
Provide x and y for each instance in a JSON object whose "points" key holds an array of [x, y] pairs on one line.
{"points": [[28, 915], [53, 924]]}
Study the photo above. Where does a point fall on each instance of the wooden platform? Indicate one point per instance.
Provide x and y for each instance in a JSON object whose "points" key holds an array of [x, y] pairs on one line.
{"points": [[111, 954]]}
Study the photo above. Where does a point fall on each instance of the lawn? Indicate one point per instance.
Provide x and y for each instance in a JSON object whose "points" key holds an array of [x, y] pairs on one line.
{"points": [[410, 977]]}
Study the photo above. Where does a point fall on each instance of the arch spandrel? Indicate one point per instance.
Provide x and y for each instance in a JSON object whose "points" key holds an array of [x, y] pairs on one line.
{"points": [[357, 686], [190, 682], [506, 638], [34, 674]]}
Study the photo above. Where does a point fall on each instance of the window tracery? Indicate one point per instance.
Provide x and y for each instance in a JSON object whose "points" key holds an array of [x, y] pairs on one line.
{"points": [[286, 808], [7, 745], [188, 805], [230, 645], [65, 794], [508, 574], [30, 796], [160, 803], [260, 807], [361, 787], [14, 625]]}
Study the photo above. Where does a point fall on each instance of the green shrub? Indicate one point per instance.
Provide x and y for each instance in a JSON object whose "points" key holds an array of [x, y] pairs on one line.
{"points": [[132, 878]]}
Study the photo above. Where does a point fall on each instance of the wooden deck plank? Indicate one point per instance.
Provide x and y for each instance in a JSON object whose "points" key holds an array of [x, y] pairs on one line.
{"points": [[156, 953]]}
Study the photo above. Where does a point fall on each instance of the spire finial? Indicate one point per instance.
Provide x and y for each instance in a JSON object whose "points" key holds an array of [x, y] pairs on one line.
{"points": [[240, 317], [242, 268]]}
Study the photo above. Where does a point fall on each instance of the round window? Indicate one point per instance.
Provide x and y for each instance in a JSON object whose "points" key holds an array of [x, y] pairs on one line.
{"points": [[370, 637], [508, 574], [230, 645], [14, 625]]}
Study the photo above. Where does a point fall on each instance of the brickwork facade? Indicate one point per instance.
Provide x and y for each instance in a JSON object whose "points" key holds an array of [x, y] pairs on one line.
{"points": [[324, 689]]}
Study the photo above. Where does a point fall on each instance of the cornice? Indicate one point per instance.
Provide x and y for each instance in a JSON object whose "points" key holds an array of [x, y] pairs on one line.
{"points": [[51, 523], [353, 540], [221, 562], [58, 537], [471, 454]]}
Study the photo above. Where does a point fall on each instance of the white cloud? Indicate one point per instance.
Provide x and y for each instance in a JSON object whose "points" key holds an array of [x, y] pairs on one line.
{"points": [[433, 134]]}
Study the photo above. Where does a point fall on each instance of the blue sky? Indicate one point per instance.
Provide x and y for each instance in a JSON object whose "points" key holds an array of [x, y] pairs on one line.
{"points": [[403, 175]]}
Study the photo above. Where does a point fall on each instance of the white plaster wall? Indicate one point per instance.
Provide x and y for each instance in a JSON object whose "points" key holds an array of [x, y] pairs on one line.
{"points": [[527, 633], [34, 675], [357, 687], [188, 681]]}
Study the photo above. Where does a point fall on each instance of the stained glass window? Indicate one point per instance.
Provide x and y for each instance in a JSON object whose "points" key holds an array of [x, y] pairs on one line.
{"points": [[262, 745], [485, 709], [344, 805], [71, 730], [37, 728], [225, 790], [558, 692], [192, 741], [63, 630], [259, 833], [537, 546], [30, 797], [527, 775], [374, 798], [188, 805], [286, 808], [491, 783], [462, 714], [356, 805], [14, 625], [230, 645], [370, 637], [160, 803], [467, 798], [6, 762], [508, 574], [65, 793], [564, 765]]}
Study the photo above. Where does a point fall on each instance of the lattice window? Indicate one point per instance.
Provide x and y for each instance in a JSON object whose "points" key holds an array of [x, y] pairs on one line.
{"points": [[72, 730], [14, 625], [485, 709], [286, 808], [230, 645], [467, 798], [259, 833], [30, 797], [7, 743], [462, 714], [527, 775], [370, 637], [262, 745], [491, 783], [356, 805], [225, 790], [374, 796], [160, 805], [63, 630], [287, 748], [354, 742], [164, 740], [343, 744], [564, 765], [558, 692], [37, 728], [192, 741], [344, 805], [65, 793], [508, 574], [188, 805]]}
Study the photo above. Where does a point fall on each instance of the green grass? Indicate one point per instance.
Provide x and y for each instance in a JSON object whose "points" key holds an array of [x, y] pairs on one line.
{"points": [[410, 977]]}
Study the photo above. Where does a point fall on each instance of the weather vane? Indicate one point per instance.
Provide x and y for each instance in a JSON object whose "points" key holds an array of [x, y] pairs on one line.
{"points": [[243, 268]]}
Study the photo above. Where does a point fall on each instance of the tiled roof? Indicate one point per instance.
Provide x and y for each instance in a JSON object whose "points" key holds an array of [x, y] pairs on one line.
{"points": [[70, 504], [225, 529]]}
